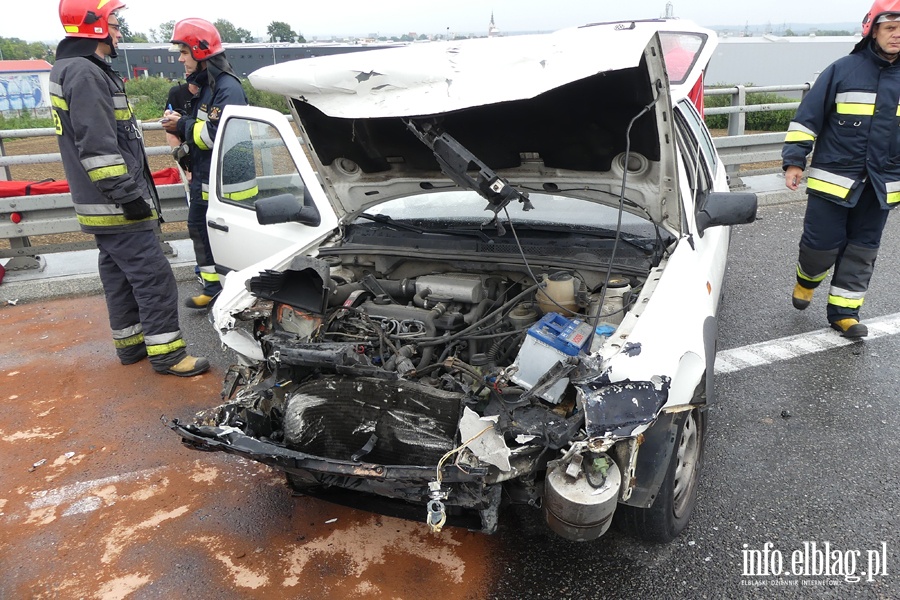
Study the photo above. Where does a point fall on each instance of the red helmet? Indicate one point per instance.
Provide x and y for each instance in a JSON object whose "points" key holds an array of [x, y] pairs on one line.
{"points": [[881, 7], [87, 18], [200, 36]]}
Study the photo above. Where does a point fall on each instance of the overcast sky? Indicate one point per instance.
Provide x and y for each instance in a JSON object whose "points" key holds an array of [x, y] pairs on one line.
{"points": [[395, 17]]}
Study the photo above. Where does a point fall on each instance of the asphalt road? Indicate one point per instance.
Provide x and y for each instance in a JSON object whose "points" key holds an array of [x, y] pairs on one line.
{"points": [[800, 453]]}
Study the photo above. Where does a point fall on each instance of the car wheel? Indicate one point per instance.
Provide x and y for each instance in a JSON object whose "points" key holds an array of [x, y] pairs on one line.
{"points": [[674, 504]]}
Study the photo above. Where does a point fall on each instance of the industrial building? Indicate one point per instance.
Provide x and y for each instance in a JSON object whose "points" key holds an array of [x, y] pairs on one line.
{"points": [[158, 60]]}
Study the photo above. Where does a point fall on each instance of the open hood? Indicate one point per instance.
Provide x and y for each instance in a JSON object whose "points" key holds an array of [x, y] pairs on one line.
{"points": [[554, 112]]}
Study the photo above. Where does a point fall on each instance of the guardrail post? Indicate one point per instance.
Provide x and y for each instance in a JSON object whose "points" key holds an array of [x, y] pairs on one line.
{"points": [[737, 126], [4, 172], [24, 263], [737, 121]]}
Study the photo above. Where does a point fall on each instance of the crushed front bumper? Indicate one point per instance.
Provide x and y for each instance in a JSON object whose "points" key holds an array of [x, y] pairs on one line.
{"points": [[396, 490]]}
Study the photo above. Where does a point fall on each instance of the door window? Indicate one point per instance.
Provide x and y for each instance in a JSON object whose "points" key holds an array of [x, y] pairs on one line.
{"points": [[255, 163], [698, 131]]}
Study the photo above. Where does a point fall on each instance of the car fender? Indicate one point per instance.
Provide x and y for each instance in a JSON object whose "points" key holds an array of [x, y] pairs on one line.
{"points": [[655, 450]]}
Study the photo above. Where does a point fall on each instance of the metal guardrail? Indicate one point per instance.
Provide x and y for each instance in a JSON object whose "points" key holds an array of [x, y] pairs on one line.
{"points": [[53, 213], [739, 148], [739, 107]]}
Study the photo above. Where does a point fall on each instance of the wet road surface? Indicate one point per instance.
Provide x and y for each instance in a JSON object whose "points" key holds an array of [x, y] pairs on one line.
{"points": [[802, 449], [116, 507]]}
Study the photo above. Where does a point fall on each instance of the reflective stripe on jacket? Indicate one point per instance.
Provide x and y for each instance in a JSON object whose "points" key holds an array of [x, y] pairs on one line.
{"points": [[100, 144], [852, 117]]}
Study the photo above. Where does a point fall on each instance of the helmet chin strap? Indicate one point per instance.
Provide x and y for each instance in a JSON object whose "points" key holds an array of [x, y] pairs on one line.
{"points": [[886, 56]]}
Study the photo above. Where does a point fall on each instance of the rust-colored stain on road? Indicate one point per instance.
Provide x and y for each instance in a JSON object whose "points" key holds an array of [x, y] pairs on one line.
{"points": [[99, 499]]}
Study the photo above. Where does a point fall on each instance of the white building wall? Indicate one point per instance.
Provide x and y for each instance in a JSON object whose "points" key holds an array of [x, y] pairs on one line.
{"points": [[771, 60], [24, 90]]}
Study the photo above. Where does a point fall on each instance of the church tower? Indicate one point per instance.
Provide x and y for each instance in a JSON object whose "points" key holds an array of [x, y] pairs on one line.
{"points": [[492, 28]]}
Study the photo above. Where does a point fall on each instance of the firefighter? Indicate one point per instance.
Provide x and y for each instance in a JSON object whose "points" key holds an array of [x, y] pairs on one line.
{"points": [[103, 156], [852, 115], [203, 56]]}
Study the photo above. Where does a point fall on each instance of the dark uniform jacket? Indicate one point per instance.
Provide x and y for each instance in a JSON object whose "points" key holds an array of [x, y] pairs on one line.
{"points": [[179, 98], [200, 128], [852, 115], [99, 140]]}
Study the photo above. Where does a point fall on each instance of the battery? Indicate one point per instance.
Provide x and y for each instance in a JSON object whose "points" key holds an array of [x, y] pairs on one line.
{"points": [[552, 339]]}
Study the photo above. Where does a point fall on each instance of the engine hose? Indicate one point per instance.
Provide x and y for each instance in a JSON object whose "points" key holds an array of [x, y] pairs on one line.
{"points": [[404, 288], [509, 349], [476, 312], [462, 332], [427, 353]]}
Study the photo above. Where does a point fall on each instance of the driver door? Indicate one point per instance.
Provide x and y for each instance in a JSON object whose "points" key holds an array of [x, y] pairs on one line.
{"points": [[257, 155]]}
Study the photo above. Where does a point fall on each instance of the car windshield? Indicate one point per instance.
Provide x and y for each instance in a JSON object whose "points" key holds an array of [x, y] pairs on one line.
{"points": [[463, 207]]}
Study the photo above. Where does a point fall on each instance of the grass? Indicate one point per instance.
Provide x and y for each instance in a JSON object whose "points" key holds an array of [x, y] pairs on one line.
{"points": [[25, 121]]}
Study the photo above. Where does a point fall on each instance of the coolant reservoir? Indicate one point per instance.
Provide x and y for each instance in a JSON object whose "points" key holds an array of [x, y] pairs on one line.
{"points": [[557, 295], [577, 510]]}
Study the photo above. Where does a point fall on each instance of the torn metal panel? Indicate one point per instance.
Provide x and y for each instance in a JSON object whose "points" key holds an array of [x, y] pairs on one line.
{"points": [[488, 444], [335, 418], [618, 409]]}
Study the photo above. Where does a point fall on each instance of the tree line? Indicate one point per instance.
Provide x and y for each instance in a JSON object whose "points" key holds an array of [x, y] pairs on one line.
{"points": [[277, 31], [16, 49]]}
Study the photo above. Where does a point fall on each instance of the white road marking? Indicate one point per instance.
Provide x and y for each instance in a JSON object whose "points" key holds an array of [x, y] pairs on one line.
{"points": [[765, 353]]}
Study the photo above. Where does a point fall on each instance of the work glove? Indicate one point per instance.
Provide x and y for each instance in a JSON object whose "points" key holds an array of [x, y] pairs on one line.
{"points": [[137, 210], [181, 154]]}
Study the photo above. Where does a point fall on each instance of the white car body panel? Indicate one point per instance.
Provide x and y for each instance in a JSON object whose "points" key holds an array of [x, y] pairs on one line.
{"points": [[441, 77]]}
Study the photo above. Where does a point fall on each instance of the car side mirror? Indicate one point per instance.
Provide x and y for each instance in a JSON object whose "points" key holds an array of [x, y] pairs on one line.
{"points": [[286, 208], [726, 208]]}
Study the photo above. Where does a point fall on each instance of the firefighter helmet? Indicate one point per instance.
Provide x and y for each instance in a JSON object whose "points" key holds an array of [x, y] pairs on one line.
{"points": [[879, 9], [87, 18], [200, 36]]}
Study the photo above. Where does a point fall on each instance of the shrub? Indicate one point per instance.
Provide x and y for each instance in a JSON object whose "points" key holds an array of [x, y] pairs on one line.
{"points": [[148, 96], [775, 120], [265, 99]]}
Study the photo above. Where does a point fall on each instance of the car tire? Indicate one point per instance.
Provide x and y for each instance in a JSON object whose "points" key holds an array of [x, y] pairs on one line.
{"points": [[671, 511]]}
